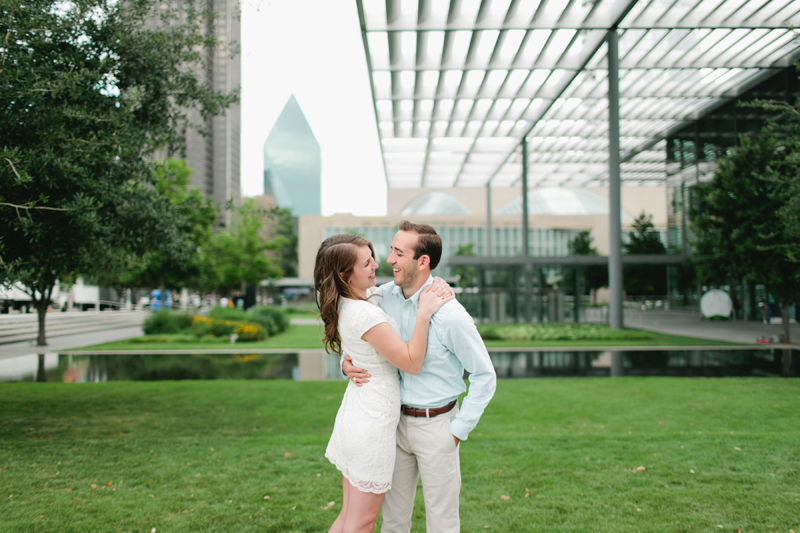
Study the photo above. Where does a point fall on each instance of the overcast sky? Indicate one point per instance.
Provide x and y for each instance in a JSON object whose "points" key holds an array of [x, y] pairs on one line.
{"points": [[312, 48]]}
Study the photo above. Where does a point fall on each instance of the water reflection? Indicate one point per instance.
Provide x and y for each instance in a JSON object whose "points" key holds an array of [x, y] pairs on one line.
{"points": [[517, 364], [149, 367], [711, 363]]}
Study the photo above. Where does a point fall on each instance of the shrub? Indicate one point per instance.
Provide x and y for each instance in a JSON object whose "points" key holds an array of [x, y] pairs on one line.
{"points": [[174, 338], [165, 322], [558, 332], [279, 316], [228, 313], [265, 322], [213, 327]]}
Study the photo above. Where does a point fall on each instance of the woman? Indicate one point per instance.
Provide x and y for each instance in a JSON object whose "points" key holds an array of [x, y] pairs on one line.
{"points": [[362, 445]]}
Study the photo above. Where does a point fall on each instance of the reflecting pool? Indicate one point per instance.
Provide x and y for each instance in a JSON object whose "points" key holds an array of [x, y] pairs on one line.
{"points": [[524, 363], [149, 367], [658, 362]]}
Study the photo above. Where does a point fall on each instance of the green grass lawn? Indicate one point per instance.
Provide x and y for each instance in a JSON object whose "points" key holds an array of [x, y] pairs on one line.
{"points": [[308, 337], [550, 455], [304, 314]]}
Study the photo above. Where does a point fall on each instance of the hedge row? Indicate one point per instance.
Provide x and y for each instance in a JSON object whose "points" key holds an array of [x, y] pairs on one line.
{"points": [[257, 324]]}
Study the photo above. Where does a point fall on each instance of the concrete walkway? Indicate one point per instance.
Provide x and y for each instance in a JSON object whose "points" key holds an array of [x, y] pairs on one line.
{"points": [[66, 342], [691, 324]]}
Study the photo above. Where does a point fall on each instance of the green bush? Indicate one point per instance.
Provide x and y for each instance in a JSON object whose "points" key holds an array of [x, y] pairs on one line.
{"points": [[166, 322], [279, 316], [558, 332], [213, 327], [228, 313], [174, 338], [265, 322], [489, 333]]}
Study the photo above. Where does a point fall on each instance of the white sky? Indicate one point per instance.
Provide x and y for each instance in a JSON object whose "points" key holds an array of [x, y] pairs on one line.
{"points": [[312, 48]]}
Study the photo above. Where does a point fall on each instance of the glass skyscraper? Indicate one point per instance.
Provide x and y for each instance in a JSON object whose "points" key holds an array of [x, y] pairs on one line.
{"points": [[292, 163]]}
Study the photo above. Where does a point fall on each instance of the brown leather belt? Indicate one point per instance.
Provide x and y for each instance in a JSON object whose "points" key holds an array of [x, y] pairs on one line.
{"points": [[428, 413]]}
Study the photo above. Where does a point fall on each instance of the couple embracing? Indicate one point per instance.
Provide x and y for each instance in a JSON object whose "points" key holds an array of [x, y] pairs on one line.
{"points": [[395, 427]]}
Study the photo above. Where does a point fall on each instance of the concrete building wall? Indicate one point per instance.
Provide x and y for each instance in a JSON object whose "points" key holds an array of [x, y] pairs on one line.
{"points": [[312, 229]]}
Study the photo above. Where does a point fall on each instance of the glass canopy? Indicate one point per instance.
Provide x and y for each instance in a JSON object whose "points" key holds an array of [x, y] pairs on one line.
{"points": [[458, 84]]}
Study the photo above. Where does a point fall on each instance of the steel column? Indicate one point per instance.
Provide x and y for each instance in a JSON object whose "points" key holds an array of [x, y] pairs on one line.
{"points": [[488, 251], [615, 320], [528, 268]]}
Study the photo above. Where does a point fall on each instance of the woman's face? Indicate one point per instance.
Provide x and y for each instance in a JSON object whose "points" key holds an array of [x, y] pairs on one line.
{"points": [[363, 276]]}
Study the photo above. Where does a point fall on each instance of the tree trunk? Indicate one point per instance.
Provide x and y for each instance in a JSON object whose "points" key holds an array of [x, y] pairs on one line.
{"points": [[41, 310], [787, 363], [41, 374], [787, 353], [785, 319]]}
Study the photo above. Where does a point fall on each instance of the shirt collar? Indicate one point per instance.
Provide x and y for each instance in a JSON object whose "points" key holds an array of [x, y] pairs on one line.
{"points": [[397, 290]]}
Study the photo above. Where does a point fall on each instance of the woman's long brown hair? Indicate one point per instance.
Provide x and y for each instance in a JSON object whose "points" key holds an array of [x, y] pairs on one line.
{"points": [[336, 258]]}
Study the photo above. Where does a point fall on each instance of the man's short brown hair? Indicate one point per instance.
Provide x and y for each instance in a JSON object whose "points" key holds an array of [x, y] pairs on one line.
{"points": [[429, 242]]}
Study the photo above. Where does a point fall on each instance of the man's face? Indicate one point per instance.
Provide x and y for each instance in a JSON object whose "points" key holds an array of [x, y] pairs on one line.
{"points": [[404, 267]]}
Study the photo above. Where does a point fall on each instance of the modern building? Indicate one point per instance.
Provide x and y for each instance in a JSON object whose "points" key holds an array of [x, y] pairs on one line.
{"points": [[556, 215], [292, 163], [214, 153], [559, 94], [215, 158]]}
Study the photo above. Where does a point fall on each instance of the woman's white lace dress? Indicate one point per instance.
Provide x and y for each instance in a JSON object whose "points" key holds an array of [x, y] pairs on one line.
{"points": [[362, 445]]}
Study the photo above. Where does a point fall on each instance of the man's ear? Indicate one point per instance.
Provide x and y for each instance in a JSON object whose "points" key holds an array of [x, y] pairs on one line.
{"points": [[424, 261]]}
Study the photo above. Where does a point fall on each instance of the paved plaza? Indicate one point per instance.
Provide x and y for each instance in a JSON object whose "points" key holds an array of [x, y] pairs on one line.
{"points": [[66, 330], [691, 323]]}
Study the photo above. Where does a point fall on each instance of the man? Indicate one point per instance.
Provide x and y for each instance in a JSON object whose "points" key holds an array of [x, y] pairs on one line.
{"points": [[431, 424]]}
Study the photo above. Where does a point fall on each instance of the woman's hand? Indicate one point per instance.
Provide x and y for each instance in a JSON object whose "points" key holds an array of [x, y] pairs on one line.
{"points": [[434, 297], [440, 283]]}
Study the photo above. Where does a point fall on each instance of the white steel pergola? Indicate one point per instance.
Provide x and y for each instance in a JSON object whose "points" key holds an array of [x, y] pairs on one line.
{"points": [[482, 93]]}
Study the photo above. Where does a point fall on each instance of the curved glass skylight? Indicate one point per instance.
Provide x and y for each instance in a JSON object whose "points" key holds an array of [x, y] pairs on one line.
{"points": [[562, 201], [435, 203]]}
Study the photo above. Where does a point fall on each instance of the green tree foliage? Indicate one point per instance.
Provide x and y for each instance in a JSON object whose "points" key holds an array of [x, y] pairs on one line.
{"points": [[175, 267], [239, 256], [467, 275], [596, 275], [282, 224], [89, 91], [644, 280], [743, 219]]}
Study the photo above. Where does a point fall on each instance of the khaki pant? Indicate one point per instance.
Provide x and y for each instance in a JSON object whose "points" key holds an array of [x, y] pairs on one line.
{"points": [[425, 449]]}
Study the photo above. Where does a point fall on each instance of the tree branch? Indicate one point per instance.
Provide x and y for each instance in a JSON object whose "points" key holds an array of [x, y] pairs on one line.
{"points": [[30, 206]]}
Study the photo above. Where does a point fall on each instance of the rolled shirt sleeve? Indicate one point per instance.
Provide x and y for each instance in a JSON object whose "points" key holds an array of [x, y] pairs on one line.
{"points": [[462, 339]]}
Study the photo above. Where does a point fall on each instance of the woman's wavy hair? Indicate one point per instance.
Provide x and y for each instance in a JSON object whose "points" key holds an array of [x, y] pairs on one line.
{"points": [[336, 258]]}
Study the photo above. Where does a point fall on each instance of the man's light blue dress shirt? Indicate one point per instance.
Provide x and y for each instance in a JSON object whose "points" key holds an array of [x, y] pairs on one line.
{"points": [[454, 345]]}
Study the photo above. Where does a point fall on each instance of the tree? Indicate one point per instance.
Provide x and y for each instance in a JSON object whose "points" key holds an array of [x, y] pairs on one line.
{"points": [[645, 280], [90, 90], [240, 256], [174, 267], [467, 275], [743, 218], [596, 275], [282, 224]]}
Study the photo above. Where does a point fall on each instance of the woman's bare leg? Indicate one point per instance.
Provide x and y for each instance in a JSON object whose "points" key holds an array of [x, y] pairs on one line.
{"points": [[362, 510], [338, 524]]}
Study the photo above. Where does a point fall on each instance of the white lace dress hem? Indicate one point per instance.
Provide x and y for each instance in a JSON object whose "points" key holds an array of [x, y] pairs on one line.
{"points": [[364, 486]]}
